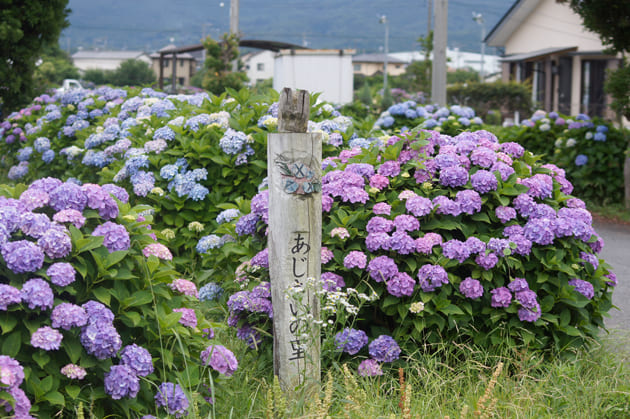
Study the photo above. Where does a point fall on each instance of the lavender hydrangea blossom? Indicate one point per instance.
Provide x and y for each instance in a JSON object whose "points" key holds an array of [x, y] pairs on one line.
{"points": [[220, 358], [138, 359], [121, 381], [384, 349], [171, 397], [68, 315], [351, 340], [471, 288]]}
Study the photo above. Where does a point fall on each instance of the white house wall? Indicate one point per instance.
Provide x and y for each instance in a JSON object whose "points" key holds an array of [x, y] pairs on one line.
{"points": [[551, 25], [266, 58], [330, 74]]}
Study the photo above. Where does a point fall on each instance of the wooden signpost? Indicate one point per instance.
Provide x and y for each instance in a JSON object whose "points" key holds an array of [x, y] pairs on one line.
{"points": [[295, 228]]}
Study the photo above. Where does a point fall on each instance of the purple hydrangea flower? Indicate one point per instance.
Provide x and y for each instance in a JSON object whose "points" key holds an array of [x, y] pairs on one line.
{"points": [[22, 404], [138, 359], [539, 230], [483, 156], [100, 339], [332, 282], [34, 224], [189, 318], [418, 206], [518, 285], [402, 243], [401, 284], [72, 216], [220, 358], [583, 287], [505, 214], [529, 314], [390, 168], [9, 295], [22, 256], [369, 368], [97, 312], [384, 349], [34, 198], [37, 294], [379, 225], [454, 176], [382, 268], [612, 279], [471, 288], [250, 335], [67, 316], [382, 208], [11, 372], [121, 381], [455, 249], [355, 259], [73, 372], [475, 245], [379, 182], [171, 397], [469, 201], [351, 340], [501, 297], [527, 298], [46, 338], [487, 261], [56, 243], [484, 181], [246, 225], [261, 259], [68, 196], [590, 258], [523, 245], [446, 206], [540, 186], [116, 236], [406, 222], [431, 277]]}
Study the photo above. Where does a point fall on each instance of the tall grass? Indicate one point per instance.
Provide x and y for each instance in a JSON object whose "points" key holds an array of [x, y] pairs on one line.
{"points": [[448, 381]]}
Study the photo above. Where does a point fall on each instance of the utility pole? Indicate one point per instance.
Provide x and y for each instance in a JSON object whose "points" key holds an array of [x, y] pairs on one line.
{"points": [[234, 17], [234, 6], [438, 77], [429, 16], [383, 20], [478, 17]]}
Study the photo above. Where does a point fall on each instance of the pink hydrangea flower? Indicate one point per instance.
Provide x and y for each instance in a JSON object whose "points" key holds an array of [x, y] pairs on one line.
{"points": [[158, 250]]}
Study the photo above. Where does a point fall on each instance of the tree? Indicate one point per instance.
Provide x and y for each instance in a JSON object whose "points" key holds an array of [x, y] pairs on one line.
{"points": [[133, 73], [26, 27], [418, 74], [56, 65], [610, 19], [218, 66]]}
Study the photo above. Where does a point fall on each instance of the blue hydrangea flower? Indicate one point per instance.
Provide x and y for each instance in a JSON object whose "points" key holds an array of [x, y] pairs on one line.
{"points": [[171, 397], [210, 292], [228, 215], [581, 160], [351, 340], [206, 243]]}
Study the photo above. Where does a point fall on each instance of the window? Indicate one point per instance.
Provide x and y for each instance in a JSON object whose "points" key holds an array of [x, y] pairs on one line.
{"points": [[180, 81], [181, 63], [165, 63], [260, 66], [357, 67]]}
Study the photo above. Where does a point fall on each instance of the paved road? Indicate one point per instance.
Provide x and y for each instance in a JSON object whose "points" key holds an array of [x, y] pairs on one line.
{"points": [[616, 252]]}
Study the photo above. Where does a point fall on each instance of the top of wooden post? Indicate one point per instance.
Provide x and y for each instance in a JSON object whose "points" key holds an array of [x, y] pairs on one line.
{"points": [[293, 110]]}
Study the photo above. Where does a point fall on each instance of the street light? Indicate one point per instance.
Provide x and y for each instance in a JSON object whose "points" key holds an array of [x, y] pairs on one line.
{"points": [[478, 17], [383, 20]]}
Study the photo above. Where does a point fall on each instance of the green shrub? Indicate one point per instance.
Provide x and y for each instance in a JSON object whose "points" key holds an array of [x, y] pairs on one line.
{"points": [[483, 97]]}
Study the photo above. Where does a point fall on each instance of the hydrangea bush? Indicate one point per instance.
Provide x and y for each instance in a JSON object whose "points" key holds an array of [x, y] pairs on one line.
{"points": [[591, 151], [462, 238], [92, 310], [409, 114], [185, 155]]}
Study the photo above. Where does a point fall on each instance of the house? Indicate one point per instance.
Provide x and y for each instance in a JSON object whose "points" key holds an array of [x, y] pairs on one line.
{"points": [[105, 60], [183, 64], [328, 71], [546, 44], [371, 64], [258, 65]]}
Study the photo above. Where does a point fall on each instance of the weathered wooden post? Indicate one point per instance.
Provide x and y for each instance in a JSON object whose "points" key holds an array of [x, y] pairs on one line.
{"points": [[295, 229]]}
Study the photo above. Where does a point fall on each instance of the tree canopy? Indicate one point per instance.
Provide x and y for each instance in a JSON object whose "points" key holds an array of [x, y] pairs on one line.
{"points": [[218, 72], [26, 27]]}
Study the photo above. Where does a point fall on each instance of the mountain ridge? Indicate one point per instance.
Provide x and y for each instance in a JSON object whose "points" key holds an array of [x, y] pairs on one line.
{"points": [[149, 25]]}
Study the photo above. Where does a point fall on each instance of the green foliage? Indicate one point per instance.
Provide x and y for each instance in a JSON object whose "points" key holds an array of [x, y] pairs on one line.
{"points": [[508, 97], [608, 18], [129, 73], [55, 67], [218, 66], [560, 140], [365, 95], [133, 73], [618, 86], [461, 76], [26, 27], [386, 100]]}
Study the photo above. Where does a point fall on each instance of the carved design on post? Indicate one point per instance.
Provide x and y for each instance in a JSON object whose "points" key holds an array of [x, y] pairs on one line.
{"points": [[293, 110], [299, 176]]}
